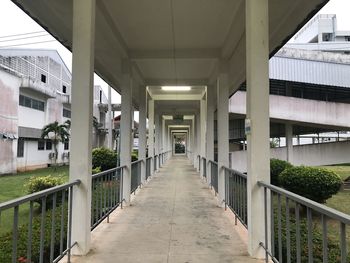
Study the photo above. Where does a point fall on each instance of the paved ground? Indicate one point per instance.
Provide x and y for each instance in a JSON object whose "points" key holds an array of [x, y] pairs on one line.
{"points": [[174, 218]]}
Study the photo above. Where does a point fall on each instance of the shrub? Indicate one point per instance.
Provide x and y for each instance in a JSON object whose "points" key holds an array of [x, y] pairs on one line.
{"points": [[313, 183], [96, 170], [103, 158], [276, 168]]}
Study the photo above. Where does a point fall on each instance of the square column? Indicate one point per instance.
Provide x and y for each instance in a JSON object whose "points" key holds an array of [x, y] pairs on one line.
{"points": [[164, 141], [203, 130], [151, 132], [197, 140], [258, 161], [289, 142], [110, 122], [157, 136], [126, 129], [210, 129], [142, 131], [81, 128], [222, 129]]}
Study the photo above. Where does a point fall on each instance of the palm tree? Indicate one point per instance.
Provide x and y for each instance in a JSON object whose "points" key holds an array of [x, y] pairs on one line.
{"points": [[56, 133]]}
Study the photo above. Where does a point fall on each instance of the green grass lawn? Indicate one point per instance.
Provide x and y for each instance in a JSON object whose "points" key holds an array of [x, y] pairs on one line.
{"points": [[13, 186]]}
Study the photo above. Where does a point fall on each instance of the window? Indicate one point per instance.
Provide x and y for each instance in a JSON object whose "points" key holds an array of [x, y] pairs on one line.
{"points": [[20, 147], [347, 38], [326, 37], [48, 145], [41, 145], [66, 145], [43, 78], [66, 113], [31, 103], [64, 89]]}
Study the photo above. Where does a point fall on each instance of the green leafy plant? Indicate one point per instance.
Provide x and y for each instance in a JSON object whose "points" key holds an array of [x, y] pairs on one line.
{"points": [[96, 170], [103, 158], [56, 133], [276, 168], [314, 183]]}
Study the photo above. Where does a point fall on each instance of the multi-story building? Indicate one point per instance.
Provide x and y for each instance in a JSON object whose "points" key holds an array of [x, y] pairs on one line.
{"points": [[35, 88]]}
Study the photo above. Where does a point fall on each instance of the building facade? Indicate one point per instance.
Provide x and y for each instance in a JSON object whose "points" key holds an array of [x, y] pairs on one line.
{"points": [[36, 90]]}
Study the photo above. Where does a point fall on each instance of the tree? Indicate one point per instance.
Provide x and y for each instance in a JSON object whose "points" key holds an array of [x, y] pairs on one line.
{"points": [[56, 133]]}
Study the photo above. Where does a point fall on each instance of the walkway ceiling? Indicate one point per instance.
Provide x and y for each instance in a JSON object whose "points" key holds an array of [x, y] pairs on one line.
{"points": [[171, 42]]}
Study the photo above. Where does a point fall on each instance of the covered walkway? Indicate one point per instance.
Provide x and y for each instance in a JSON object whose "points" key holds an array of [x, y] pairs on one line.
{"points": [[173, 218]]}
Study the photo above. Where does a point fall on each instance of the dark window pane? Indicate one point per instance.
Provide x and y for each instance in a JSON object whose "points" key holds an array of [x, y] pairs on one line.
{"points": [[27, 102], [48, 145], [43, 78], [20, 147], [21, 100], [66, 145], [41, 145], [64, 89], [41, 106]]}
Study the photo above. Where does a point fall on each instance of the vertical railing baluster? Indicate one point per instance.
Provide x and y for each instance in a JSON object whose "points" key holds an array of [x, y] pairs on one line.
{"points": [[324, 239], [272, 215], [280, 259], [15, 234], [62, 221], [309, 235], [266, 227], [53, 227], [30, 232], [297, 232], [288, 231], [42, 229], [343, 249], [69, 231]]}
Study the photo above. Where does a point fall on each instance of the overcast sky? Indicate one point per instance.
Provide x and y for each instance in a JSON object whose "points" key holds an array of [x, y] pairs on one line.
{"points": [[14, 21]]}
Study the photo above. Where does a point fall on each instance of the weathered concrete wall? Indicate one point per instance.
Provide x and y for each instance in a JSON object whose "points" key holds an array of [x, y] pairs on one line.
{"points": [[9, 90], [299, 110], [311, 155]]}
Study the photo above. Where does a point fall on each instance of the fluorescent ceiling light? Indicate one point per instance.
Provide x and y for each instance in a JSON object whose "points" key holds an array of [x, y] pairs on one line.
{"points": [[176, 88]]}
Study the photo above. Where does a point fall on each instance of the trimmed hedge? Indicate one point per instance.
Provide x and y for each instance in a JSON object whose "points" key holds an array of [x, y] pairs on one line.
{"points": [[276, 168], [313, 183], [104, 158]]}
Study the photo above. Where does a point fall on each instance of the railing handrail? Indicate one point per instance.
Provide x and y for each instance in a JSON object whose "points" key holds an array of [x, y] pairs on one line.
{"points": [[137, 161], [210, 161], [235, 172], [330, 212], [107, 171], [149, 158], [37, 195]]}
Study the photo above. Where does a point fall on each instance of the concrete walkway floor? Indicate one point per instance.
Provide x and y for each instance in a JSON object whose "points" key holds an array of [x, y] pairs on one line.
{"points": [[173, 218]]}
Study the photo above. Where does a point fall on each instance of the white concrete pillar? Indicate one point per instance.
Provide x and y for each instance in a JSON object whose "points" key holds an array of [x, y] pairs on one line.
{"points": [[142, 131], [126, 129], [198, 140], [210, 129], [164, 142], [110, 122], [258, 161], [289, 142], [151, 132], [157, 135], [193, 140], [203, 131], [81, 128], [222, 130]]}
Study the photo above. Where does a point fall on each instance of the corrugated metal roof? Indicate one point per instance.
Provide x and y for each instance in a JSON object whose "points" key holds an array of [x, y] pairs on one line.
{"points": [[322, 68]]}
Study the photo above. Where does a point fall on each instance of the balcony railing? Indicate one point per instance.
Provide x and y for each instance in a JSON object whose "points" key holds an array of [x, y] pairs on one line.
{"points": [[135, 175], [106, 195], [299, 229], [214, 175], [204, 161], [46, 234], [236, 194], [148, 167]]}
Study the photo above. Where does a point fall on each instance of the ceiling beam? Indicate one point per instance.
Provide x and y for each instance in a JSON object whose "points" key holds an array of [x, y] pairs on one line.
{"points": [[176, 82], [177, 96]]}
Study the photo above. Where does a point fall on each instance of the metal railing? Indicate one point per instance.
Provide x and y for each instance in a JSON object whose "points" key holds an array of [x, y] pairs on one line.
{"points": [[46, 234], [135, 175], [236, 194], [148, 167], [106, 194], [300, 229], [155, 163], [204, 161], [214, 175], [199, 163]]}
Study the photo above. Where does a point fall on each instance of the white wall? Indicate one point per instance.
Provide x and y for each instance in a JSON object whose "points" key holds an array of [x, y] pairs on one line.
{"points": [[310, 155]]}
